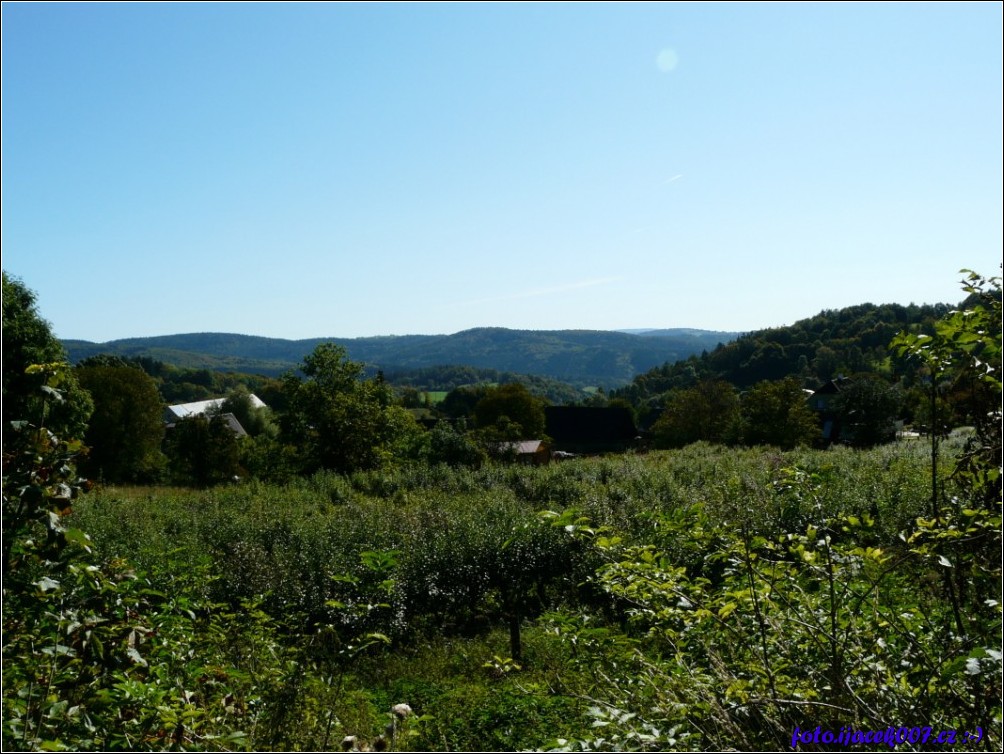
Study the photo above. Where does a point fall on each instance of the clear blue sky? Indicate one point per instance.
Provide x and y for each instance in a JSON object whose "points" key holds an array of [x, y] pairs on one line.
{"points": [[301, 170]]}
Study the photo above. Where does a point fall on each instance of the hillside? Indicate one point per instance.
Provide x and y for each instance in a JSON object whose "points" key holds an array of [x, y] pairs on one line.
{"points": [[844, 341], [579, 357]]}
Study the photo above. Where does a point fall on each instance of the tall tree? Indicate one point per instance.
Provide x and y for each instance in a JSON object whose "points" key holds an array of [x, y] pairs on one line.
{"points": [[340, 420], [776, 413], [964, 355], [451, 445], [869, 407], [514, 406], [709, 411], [28, 340], [460, 402], [127, 426], [203, 450]]}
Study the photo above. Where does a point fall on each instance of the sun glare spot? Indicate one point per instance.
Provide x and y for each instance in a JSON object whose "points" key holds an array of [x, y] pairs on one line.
{"points": [[667, 60]]}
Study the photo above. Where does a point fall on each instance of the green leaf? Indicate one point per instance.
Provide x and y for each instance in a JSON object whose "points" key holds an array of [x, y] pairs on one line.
{"points": [[52, 393], [727, 609]]}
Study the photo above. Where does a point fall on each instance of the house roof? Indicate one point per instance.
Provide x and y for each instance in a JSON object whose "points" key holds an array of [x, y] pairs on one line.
{"points": [[833, 386], [521, 447], [183, 410], [234, 425], [231, 421]]}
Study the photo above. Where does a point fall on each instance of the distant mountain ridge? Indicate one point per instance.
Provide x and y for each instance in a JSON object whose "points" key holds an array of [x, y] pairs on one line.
{"points": [[680, 332], [580, 357]]}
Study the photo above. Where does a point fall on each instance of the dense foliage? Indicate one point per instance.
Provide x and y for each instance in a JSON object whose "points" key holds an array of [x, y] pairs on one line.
{"points": [[512, 411], [675, 600], [845, 341], [708, 412], [28, 341], [449, 378], [339, 420], [407, 593], [126, 429], [776, 413]]}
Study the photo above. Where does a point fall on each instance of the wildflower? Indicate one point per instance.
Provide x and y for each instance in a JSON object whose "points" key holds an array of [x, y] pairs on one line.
{"points": [[401, 711]]}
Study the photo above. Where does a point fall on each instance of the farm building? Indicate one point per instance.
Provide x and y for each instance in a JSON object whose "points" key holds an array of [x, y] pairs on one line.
{"points": [[184, 410], [820, 401], [529, 452], [179, 411]]}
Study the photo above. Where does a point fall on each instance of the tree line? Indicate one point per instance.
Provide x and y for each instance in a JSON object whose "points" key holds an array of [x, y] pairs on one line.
{"points": [[333, 413]]}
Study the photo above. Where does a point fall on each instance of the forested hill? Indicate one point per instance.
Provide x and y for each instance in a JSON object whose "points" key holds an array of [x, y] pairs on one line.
{"points": [[579, 357], [844, 341]]}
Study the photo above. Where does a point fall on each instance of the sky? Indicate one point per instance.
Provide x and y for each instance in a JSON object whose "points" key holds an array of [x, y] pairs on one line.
{"points": [[344, 170]]}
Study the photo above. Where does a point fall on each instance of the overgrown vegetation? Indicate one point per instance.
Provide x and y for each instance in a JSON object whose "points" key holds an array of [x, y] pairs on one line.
{"points": [[707, 597], [318, 604]]}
